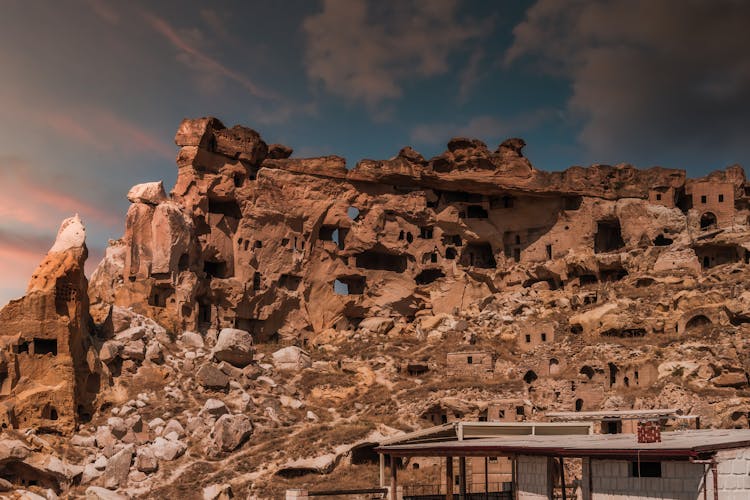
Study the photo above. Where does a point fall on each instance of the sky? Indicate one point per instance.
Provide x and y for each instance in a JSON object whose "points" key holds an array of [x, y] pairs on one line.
{"points": [[92, 91]]}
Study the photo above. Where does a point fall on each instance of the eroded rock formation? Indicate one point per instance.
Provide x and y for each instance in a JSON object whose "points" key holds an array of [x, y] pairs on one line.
{"points": [[286, 247], [263, 324], [46, 381]]}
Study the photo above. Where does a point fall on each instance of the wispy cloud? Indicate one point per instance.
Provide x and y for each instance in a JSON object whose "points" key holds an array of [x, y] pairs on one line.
{"points": [[104, 130], [30, 201], [365, 50], [470, 75], [104, 10], [197, 59]]}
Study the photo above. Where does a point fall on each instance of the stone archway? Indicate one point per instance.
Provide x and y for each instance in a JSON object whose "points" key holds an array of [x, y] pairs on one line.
{"points": [[708, 220]]}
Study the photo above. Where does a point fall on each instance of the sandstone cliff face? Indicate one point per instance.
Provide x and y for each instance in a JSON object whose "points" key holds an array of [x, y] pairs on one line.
{"points": [[46, 382], [287, 248], [259, 327]]}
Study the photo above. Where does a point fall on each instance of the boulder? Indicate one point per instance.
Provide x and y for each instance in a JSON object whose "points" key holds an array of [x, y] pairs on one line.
{"points": [[116, 473], [214, 407], [192, 339], [234, 346], [174, 426], [218, 492], [376, 325], [166, 449], [230, 431], [210, 377], [291, 358], [151, 193], [146, 461], [730, 379]]}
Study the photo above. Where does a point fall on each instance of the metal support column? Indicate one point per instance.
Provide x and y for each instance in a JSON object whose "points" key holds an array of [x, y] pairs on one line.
{"points": [[394, 479], [462, 478], [449, 478]]}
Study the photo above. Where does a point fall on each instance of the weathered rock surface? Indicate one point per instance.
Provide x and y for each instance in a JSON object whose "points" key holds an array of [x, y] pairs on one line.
{"points": [[234, 346], [46, 380], [324, 302]]}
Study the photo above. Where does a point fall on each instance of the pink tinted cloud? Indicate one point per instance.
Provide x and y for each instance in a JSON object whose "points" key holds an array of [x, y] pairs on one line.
{"points": [[203, 61], [28, 201], [103, 130]]}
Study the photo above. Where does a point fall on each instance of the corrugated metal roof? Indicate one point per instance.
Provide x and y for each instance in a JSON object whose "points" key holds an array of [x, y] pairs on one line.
{"points": [[620, 414], [474, 430], [682, 443]]}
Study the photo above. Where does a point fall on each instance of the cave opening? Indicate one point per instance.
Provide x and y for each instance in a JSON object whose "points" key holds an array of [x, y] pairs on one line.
{"points": [[381, 261], [608, 236]]}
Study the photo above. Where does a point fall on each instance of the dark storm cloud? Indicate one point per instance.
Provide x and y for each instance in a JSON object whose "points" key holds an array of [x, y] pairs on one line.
{"points": [[668, 78]]}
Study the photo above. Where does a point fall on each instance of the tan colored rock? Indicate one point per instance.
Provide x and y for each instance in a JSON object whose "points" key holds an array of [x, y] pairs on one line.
{"points": [[151, 193], [43, 334]]}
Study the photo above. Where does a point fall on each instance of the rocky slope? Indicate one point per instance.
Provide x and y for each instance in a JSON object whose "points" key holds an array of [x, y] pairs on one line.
{"points": [[266, 323]]}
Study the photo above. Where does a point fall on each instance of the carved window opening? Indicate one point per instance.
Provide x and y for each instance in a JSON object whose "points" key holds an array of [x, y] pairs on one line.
{"points": [[450, 253], [428, 276], [256, 281], [45, 346], [478, 255], [381, 261], [227, 208], [476, 212], [530, 376], [608, 236], [204, 313], [290, 281], [349, 285], [159, 296], [573, 202], [216, 269], [184, 263], [426, 232], [697, 322], [49, 412], [708, 221], [613, 370], [662, 241], [329, 233]]}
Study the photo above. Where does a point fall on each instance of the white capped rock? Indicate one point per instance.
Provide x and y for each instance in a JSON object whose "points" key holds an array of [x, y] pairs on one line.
{"points": [[150, 193]]}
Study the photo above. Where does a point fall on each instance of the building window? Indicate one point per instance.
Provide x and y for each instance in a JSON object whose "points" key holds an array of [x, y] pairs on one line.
{"points": [[528, 339], [544, 337], [658, 196], [645, 469], [703, 199], [721, 198], [469, 360]]}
